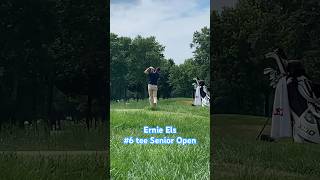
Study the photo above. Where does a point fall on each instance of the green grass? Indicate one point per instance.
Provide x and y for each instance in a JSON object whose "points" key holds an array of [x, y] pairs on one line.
{"points": [[238, 155], [72, 153], [71, 137], [174, 161], [53, 166]]}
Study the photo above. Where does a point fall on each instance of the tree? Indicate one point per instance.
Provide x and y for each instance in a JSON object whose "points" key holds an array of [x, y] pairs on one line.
{"points": [[240, 38], [201, 43]]}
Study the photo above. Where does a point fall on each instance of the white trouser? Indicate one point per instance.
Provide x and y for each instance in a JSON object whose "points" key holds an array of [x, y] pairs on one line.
{"points": [[152, 90]]}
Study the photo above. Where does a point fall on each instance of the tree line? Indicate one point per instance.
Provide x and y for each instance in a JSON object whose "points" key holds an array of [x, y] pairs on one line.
{"points": [[53, 61], [129, 57], [240, 37]]}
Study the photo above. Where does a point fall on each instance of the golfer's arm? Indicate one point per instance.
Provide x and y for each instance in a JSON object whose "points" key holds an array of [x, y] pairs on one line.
{"points": [[146, 71]]}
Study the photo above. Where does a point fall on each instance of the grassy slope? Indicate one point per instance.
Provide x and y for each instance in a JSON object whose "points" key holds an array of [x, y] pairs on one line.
{"points": [[239, 156], [159, 161]]}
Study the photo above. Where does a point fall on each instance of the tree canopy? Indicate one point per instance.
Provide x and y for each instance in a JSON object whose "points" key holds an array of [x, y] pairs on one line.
{"points": [[53, 60], [240, 37]]}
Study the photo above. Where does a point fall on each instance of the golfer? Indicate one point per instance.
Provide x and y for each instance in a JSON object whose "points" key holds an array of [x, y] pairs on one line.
{"points": [[153, 76]]}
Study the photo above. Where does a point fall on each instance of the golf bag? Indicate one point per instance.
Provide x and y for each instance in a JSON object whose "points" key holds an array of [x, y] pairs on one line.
{"points": [[205, 97], [305, 110], [296, 108], [201, 95]]}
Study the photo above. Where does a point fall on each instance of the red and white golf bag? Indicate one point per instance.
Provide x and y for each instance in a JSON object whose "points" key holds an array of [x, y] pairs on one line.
{"points": [[296, 108]]}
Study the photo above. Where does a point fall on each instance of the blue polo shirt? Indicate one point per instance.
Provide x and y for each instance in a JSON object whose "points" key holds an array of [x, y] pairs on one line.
{"points": [[153, 78]]}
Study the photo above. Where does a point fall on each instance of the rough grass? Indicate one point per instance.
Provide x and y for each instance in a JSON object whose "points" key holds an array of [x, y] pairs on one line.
{"points": [[132, 161], [53, 166], [71, 137], [72, 153], [237, 155]]}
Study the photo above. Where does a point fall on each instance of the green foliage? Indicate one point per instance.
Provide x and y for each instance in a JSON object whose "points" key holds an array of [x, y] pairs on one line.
{"points": [[49, 48], [181, 78], [130, 57], [201, 43], [240, 38]]}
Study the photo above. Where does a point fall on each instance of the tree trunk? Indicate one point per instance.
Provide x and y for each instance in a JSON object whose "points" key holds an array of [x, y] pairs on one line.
{"points": [[103, 106], [89, 110], [16, 99], [137, 90], [105, 101], [34, 100], [49, 105], [95, 122], [125, 94]]}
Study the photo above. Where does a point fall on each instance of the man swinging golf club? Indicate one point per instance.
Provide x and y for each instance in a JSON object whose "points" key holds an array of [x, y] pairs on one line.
{"points": [[153, 76]]}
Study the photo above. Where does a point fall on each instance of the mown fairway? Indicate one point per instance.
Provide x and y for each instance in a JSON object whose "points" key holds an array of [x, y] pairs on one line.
{"points": [[238, 155], [153, 161]]}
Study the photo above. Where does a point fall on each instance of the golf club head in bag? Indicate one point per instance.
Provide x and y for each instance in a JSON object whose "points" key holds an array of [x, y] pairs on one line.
{"points": [[279, 56]]}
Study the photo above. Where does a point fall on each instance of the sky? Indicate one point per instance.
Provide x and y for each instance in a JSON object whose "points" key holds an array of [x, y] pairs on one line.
{"points": [[172, 22]]}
